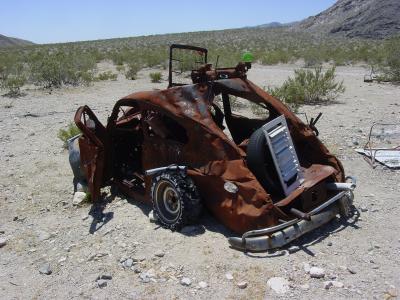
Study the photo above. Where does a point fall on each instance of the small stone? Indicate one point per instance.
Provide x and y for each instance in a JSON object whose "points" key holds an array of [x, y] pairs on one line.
{"points": [[79, 198], [351, 270], [329, 244], [144, 277], [229, 276], [186, 281], [192, 230], [293, 249], [136, 269], [337, 284], [3, 242], [392, 292], [306, 267], [45, 269], [160, 254], [316, 272], [278, 284], [128, 263], [203, 284], [153, 217], [62, 259], [328, 285], [101, 283], [305, 287], [363, 209], [105, 277], [242, 284]]}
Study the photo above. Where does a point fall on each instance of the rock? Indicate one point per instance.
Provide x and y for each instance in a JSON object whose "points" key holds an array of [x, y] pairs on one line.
{"points": [[351, 270], [242, 284], [45, 269], [153, 217], [316, 272], [355, 142], [392, 292], [328, 285], [43, 236], [306, 267], [278, 284], [186, 281], [229, 276], [203, 284], [160, 254], [293, 249], [192, 230], [101, 283], [144, 277], [3, 242], [79, 198], [363, 209], [333, 283], [104, 277], [329, 244], [128, 263], [305, 287]]}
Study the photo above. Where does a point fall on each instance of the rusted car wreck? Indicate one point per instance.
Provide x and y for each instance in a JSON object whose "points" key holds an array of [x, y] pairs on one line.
{"points": [[270, 180]]}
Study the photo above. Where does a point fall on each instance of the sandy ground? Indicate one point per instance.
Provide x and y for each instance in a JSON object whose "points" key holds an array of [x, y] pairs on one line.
{"points": [[41, 225]]}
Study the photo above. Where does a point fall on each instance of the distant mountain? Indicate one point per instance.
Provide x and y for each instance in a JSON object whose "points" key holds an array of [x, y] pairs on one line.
{"points": [[356, 18], [274, 25], [6, 41]]}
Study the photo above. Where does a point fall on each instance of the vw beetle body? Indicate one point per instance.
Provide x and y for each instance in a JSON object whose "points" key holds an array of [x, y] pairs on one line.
{"points": [[181, 129]]}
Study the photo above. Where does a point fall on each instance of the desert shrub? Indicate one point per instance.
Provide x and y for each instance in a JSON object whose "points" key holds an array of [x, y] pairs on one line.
{"points": [[155, 77], [12, 84], [65, 134], [131, 73], [309, 87], [12, 78], [120, 68], [391, 64], [275, 57], [108, 75], [55, 69]]}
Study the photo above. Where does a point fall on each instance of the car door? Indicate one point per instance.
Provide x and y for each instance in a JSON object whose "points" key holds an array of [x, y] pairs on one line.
{"points": [[92, 149]]}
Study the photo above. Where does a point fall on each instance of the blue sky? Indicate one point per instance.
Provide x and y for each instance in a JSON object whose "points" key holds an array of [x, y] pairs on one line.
{"points": [[50, 21]]}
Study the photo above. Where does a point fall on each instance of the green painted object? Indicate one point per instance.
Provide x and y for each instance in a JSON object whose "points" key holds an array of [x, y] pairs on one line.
{"points": [[247, 57]]}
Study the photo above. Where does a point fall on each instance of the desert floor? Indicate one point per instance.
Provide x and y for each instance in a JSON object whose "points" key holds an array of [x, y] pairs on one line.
{"points": [[41, 225]]}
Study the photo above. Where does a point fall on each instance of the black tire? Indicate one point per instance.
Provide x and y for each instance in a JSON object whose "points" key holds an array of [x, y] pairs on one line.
{"points": [[175, 199], [260, 163]]}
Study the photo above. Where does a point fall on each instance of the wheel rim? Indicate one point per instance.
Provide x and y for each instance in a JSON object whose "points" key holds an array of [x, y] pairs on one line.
{"points": [[167, 202], [171, 201]]}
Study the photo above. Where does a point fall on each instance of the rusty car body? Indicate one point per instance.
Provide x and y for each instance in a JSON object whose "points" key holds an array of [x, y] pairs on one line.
{"points": [[179, 132]]}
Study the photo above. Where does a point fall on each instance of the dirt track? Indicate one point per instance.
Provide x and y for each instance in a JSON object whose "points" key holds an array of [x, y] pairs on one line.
{"points": [[41, 225]]}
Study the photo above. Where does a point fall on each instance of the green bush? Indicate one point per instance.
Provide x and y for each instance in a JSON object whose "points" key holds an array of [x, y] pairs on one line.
{"points": [[52, 70], [120, 68], [391, 64], [155, 77], [132, 71], [12, 78], [12, 84], [65, 134], [309, 87], [108, 75]]}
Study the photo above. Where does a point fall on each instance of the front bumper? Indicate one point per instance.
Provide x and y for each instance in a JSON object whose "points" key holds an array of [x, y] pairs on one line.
{"points": [[282, 234]]}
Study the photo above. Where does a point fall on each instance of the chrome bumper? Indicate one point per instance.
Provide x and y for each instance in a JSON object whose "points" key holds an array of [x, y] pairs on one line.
{"points": [[282, 234]]}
